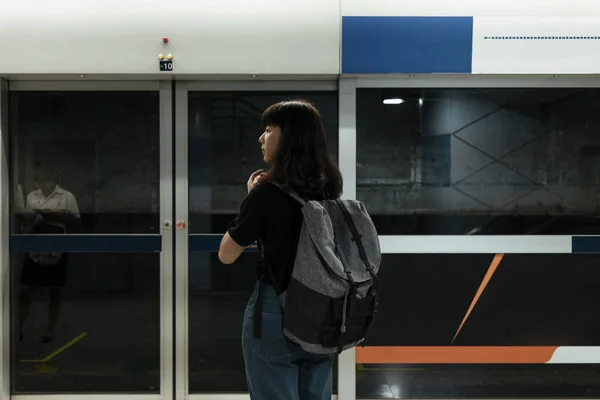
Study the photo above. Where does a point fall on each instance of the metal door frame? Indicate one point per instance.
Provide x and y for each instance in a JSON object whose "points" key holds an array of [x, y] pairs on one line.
{"points": [[346, 360], [4, 253], [164, 88]]}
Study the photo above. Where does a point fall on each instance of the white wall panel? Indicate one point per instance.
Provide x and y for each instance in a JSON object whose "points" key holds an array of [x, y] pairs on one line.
{"points": [[476, 244], [576, 355], [205, 37], [470, 8], [536, 45]]}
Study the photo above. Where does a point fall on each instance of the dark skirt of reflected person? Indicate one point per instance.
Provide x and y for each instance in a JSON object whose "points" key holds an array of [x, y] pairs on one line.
{"points": [[45, 269]]}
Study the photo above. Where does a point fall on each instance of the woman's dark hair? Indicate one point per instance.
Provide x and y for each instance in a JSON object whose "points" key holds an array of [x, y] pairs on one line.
{"points": [[302, 161]]}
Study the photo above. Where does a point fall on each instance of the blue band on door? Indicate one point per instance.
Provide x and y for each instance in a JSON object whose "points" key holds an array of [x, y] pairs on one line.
{"points": [[585, 244], [86, 243]]}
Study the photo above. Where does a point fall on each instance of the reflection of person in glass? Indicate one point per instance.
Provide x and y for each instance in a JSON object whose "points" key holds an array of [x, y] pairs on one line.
{"points": [[55, 210], [295, 146]]}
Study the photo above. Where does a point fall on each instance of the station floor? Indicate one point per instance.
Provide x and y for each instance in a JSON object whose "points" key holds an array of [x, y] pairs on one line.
{"points": [[110, 344]]}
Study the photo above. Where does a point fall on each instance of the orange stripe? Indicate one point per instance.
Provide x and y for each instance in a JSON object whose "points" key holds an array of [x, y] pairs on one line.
{"points": [[454, 354], [486, 279]]}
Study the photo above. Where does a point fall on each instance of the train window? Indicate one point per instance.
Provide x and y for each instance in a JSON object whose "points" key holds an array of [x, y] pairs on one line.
{"points": [[479, 161]]}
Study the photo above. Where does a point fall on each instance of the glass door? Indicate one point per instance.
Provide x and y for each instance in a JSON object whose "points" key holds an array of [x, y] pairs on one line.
{"points": [[91, 235], [217, 149], [118, 195]]}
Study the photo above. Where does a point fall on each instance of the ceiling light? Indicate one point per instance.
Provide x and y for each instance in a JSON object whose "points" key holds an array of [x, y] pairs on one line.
{"points": [[393, 101]]}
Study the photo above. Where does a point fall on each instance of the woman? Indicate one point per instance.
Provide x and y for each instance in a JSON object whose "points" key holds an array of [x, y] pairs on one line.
{"points": [[294, 144]]}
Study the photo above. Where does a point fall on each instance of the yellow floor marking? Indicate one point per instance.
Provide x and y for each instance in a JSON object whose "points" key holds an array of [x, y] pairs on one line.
{"points": [[57, 352]]}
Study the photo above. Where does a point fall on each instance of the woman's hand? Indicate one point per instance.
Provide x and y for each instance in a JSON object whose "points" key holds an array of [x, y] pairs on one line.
{"points": [[255, 178]]}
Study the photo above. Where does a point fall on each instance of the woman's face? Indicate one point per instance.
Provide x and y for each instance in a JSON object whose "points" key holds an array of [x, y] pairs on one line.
{"points": [[269, 141]]}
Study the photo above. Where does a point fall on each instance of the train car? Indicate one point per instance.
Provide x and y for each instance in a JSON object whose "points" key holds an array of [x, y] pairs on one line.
{"points": [[468, 129]]}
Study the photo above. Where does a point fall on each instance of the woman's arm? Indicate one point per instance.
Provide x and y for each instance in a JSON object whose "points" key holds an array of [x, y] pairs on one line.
{"points": [[247, 228], [229, 250]]}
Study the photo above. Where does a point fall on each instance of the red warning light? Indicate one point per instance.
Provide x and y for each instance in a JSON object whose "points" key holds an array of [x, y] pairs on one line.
{"points": [[165, 39]]}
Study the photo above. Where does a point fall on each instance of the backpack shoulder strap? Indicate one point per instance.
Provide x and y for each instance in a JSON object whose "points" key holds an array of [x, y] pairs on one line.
{"points": [[356, 236], [264, 267]]}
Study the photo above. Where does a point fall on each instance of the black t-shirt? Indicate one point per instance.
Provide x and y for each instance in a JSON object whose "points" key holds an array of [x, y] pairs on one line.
{"points": [[275, 218]]}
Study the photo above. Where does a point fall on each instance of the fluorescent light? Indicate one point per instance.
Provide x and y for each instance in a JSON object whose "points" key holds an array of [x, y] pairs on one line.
{"points": [[393, 101]]}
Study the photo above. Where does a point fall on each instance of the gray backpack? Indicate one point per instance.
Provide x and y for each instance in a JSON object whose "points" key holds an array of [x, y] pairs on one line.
{"points": [[331, 300]]}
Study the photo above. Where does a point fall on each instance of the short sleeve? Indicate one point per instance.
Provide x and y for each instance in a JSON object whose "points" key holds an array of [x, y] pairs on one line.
{"points": [[72, 206], [31, 201], [251, 221]]}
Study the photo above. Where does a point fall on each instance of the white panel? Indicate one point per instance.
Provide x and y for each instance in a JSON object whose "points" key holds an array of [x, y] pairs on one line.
{"points": [[544, 45], [347, 136], [347, 164], [576, 355], [274, 85], [205, 37], [347, 375], [470, 7], [83, 85], [493, 244], [4, 249]]}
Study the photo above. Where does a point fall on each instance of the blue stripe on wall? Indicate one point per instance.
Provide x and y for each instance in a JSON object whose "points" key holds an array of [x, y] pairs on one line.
{"points": [[585, 244], [386, 45]]}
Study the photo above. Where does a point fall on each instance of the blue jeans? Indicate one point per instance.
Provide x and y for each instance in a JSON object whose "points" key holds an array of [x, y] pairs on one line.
{"points": [[277, 368]]}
